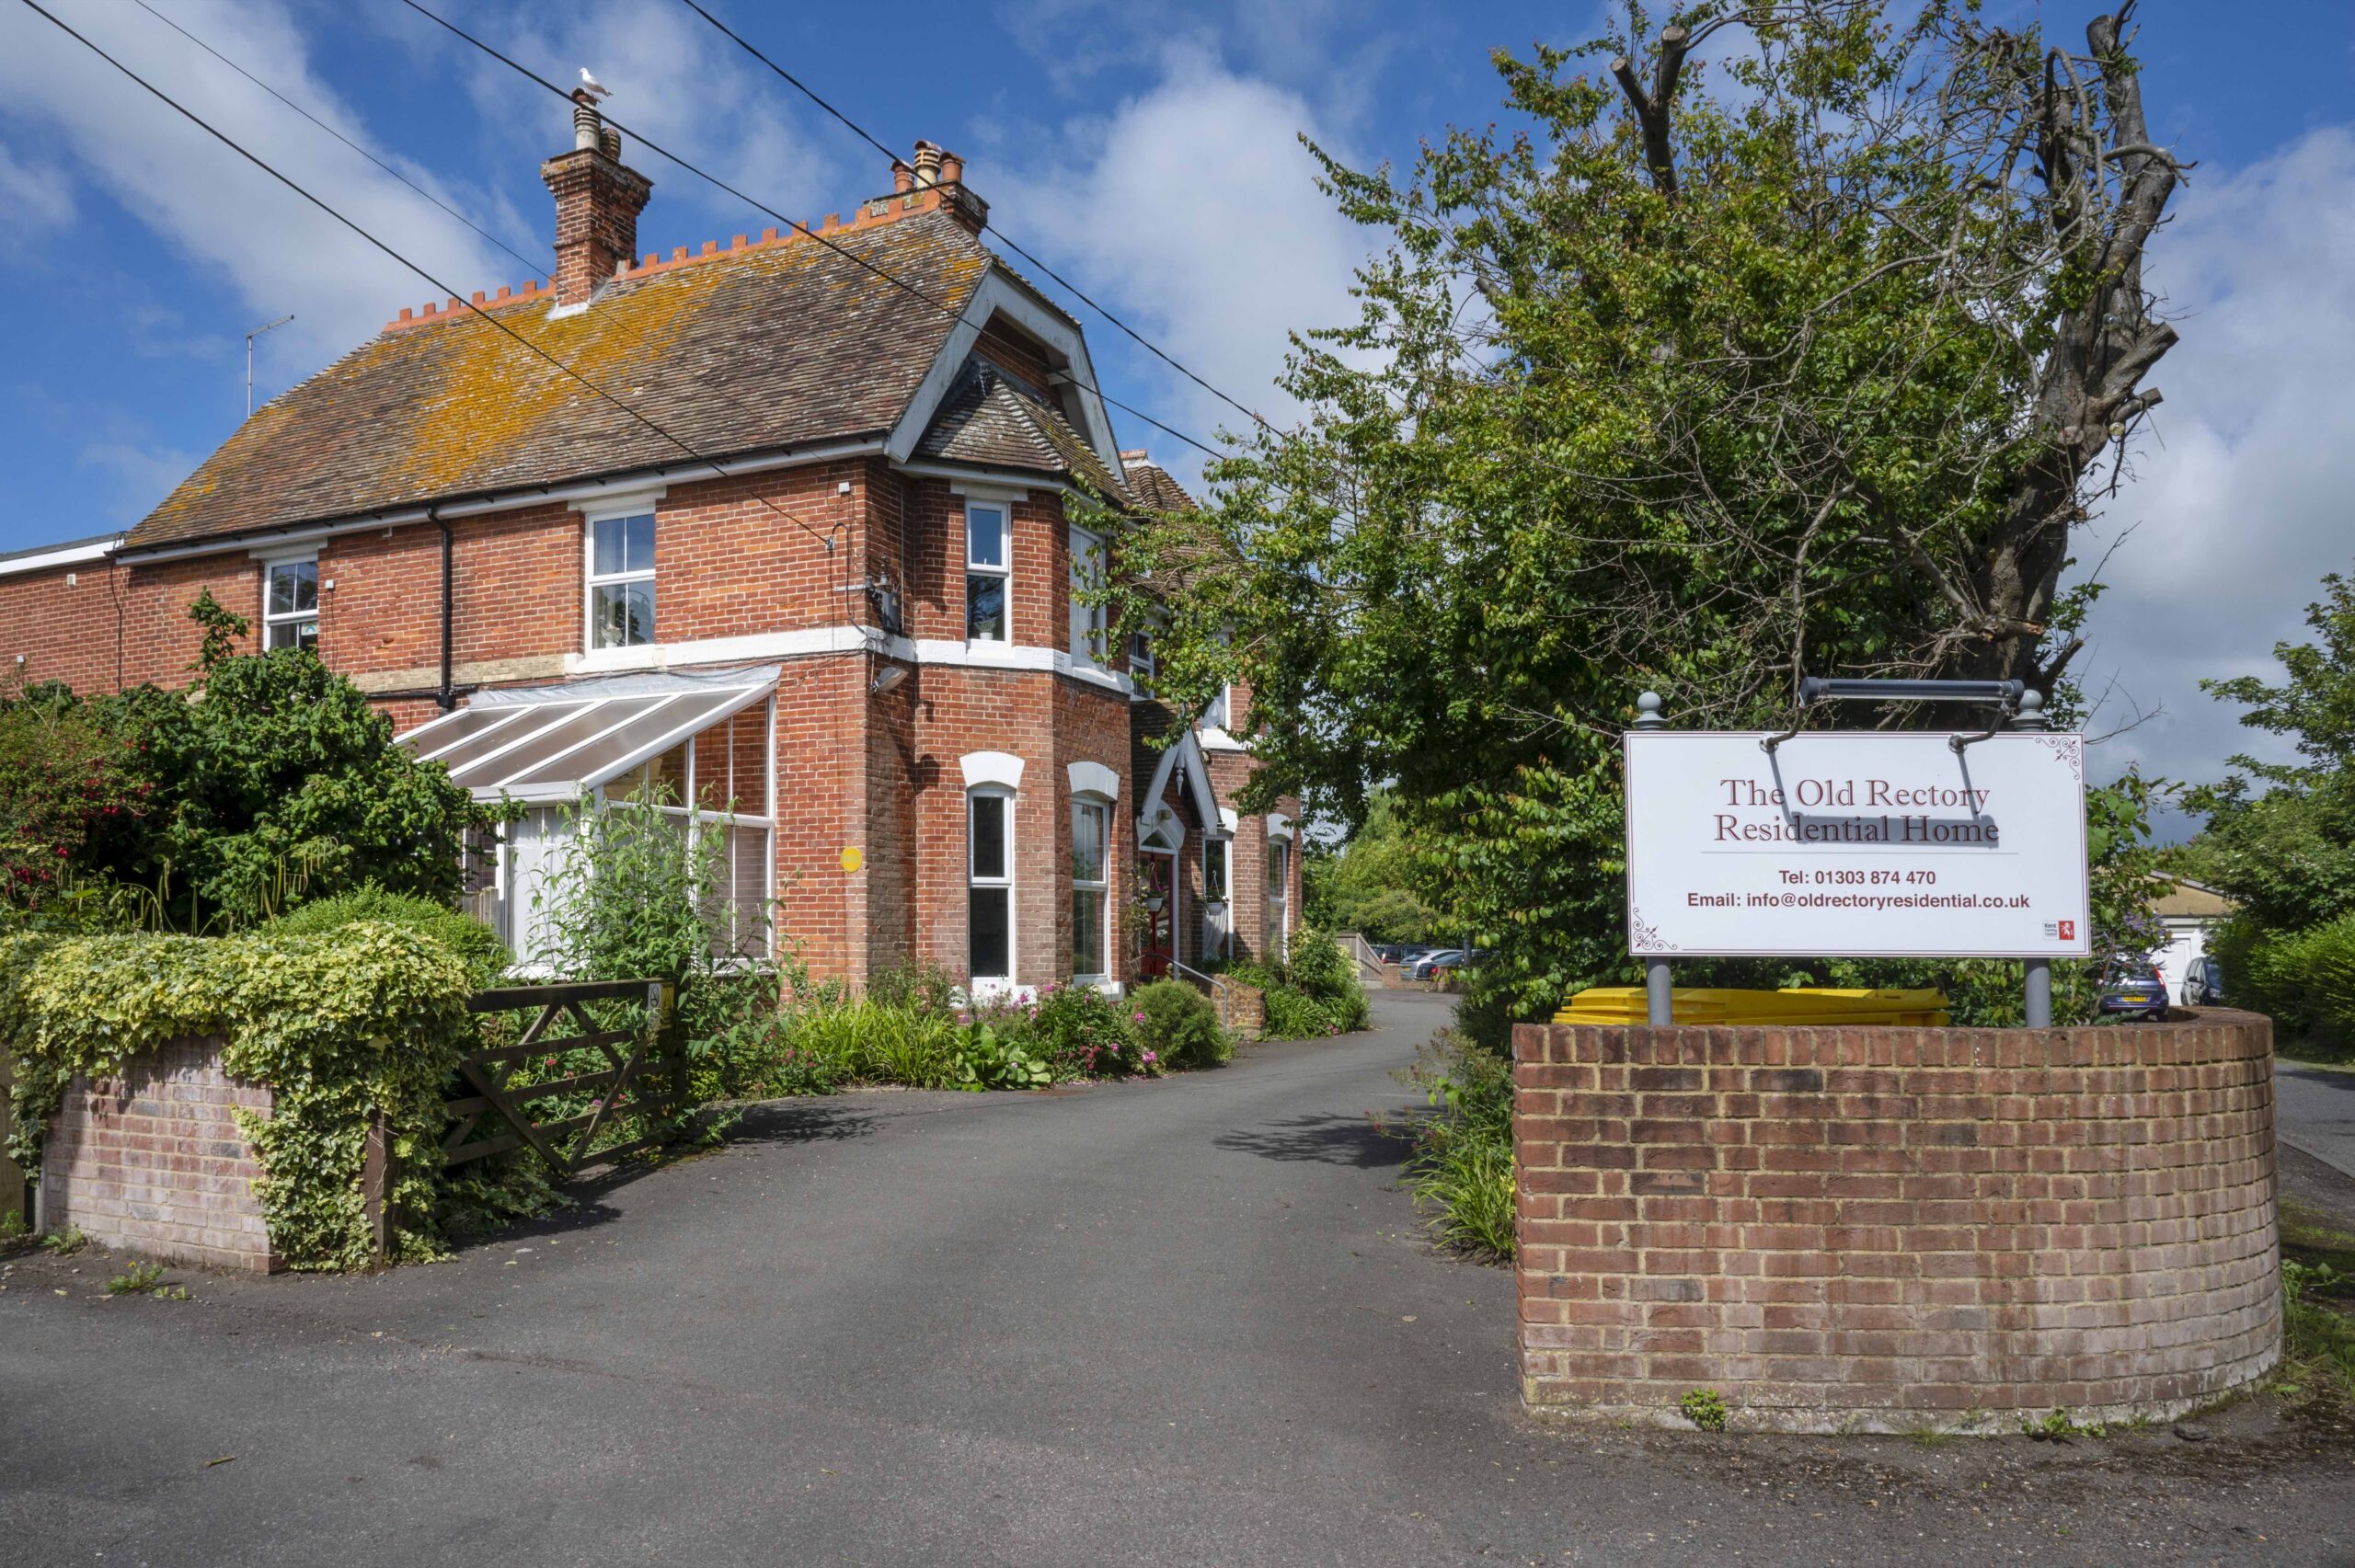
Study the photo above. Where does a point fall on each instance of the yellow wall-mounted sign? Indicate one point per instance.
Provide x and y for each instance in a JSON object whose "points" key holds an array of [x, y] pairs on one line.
{"points": [[852, 858]]}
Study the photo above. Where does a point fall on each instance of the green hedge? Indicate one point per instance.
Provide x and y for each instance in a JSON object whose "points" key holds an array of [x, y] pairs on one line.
{"points": [[368, 1016], [476, 944], [2303, 981], [1178, 1024], [1313, 991]]}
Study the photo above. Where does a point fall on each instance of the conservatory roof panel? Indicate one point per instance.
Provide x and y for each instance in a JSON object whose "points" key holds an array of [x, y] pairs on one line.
{"points": [[556, 743]]}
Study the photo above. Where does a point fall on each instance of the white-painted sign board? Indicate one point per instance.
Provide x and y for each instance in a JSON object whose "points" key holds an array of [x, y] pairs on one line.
{"points": [[1844, 844]]}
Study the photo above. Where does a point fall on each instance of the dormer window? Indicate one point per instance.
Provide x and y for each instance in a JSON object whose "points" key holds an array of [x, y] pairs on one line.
{"points": [[988, 556], [290, 604], [1220, 713], [621, 580]]}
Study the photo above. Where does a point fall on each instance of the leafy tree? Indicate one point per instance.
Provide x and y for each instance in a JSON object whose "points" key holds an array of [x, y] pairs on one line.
{"points": [[270, 782], [1684, 389], [1367, 885], [62, 778], [2287, 853]]}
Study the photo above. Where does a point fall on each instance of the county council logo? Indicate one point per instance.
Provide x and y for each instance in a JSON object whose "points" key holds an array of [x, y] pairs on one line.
{"points": [[2068, 931]]}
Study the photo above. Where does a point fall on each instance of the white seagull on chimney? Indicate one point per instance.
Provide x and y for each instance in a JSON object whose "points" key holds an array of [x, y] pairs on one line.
{"points": [[593, 88]]}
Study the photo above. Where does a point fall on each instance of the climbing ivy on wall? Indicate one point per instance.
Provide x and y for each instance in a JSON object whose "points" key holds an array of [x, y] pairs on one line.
{"points": [[370, 1016]]}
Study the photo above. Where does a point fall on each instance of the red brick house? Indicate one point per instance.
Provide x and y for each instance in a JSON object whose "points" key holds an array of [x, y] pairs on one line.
{"points": [[823, 586]]}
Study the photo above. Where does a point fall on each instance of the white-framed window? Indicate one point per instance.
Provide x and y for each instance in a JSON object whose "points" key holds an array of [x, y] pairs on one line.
{"points": [[989, 556], [1218, 861], [1090, 624], [989, 879], [1090, 887], [1220, 713], [290, 603], [621, 580], [1140, 665], [1278, 896]]}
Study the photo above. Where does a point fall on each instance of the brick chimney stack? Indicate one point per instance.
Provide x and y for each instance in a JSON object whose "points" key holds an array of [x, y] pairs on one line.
{"points": [[597, 203], [935, 168]]}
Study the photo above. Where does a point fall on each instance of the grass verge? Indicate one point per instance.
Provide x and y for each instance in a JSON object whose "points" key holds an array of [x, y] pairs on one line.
{"points": [[2318, 1296], [1462, 1168]]}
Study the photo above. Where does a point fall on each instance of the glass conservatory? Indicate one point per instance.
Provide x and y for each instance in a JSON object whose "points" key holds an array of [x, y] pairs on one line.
{"points": [[700, 750]]}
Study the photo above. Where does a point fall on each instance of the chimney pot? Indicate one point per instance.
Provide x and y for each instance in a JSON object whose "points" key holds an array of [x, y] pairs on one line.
{"points": [[598, 199], [952, 168], [928, 166], [903, 177]]}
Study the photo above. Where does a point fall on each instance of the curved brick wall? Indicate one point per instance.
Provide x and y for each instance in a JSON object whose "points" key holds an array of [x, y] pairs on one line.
{"points": [[1880, 1229]]}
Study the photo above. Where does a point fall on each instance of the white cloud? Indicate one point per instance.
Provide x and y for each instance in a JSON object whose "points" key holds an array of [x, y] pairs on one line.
{"points": [[279, 253], [1192, 209], [36, 198], [136, 475], [676, 79], [2244, 497]]}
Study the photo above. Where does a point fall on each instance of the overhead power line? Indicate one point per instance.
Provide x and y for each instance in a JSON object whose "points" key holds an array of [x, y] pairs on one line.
{"points": [[800, 227], [1011, 243], [339, 135], [226, 139]]}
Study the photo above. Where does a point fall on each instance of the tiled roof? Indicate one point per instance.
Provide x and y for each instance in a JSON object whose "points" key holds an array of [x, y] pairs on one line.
{"points": [[1151, 485], [747, 350], [985, 420]]}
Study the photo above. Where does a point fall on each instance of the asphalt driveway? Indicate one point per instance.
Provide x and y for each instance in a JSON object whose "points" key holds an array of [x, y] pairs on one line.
{"points": [[2314, 1109], [1191, 1321]]}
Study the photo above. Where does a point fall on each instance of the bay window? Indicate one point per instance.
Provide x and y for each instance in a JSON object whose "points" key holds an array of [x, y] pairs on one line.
{"points": [[1279, 894], [1088, 622], [988, 568], [989, 875], [1217, 919], [1090, 889]]}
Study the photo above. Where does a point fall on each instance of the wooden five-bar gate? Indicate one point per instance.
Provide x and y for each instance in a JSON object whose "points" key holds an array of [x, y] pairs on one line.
{"points": [[640, 1081]]}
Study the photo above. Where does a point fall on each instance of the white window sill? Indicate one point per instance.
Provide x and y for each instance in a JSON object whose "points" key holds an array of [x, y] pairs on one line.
{"points": [[1001, 990], [1216, 739]]}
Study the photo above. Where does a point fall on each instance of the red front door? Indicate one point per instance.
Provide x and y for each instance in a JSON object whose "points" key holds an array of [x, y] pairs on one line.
{"points": [[1157, 881]]}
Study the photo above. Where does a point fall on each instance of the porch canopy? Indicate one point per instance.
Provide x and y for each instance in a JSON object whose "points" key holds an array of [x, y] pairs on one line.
{"points": [[548, 744]]}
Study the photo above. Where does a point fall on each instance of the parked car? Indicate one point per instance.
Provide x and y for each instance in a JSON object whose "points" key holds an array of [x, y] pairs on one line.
{"points": [[1431, 963], [2131, 988], [1395, 952], [2204, 983]]}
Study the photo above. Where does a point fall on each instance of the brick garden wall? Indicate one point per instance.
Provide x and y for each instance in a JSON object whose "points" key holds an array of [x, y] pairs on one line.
{"points": [[1882, 1229], [152, 1162]]}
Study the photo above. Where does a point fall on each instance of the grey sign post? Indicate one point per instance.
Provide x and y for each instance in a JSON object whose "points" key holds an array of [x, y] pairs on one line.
{"points": [[1660, 996]]}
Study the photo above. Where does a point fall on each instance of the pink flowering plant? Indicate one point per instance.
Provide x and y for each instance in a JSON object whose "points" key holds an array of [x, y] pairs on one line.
{"points": [[1082, 1032]]}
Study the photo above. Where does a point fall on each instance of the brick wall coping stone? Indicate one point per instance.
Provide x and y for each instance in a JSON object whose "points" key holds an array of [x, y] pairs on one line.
{"points": [[1882, 1229]]}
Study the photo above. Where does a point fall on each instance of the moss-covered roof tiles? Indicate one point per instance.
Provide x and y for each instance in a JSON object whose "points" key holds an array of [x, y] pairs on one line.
{"points": [[748, 350]]}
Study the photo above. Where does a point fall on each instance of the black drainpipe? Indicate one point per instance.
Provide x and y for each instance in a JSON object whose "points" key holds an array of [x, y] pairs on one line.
{"points": [[448, 696]]}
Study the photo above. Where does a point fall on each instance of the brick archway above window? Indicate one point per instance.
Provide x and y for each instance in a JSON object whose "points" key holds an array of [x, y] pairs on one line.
{"points": [[1001, 767]]}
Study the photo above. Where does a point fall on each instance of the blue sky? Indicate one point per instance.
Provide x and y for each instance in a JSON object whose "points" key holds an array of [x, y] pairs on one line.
{"points": [[1146, 149]]}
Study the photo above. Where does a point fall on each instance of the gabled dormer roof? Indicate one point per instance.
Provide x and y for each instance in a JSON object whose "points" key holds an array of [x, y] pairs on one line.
{"points": [[990, 420]]}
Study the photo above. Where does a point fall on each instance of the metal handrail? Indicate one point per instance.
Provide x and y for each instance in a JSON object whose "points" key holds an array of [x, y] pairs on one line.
{"points": [[1220, 989]]}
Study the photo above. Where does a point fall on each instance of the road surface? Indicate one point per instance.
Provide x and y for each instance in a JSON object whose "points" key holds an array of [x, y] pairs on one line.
{"points": [[1187, 1322]]}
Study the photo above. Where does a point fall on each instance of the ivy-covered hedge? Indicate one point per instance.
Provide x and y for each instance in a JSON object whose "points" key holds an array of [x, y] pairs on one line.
{"points": [[368, 1016]]}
